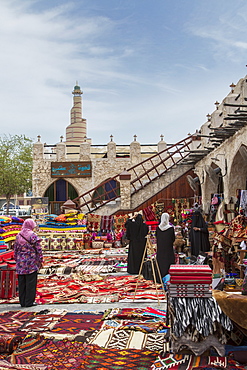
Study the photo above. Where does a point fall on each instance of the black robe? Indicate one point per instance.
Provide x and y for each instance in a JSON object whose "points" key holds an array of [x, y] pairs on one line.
{"points": [[136, 232], [199, 240], [165, 253]]}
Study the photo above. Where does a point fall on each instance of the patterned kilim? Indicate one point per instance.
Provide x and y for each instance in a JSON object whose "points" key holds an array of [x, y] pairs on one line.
{"points": [[56, 355], [9, 342], [6, 365], [189, 362], [44, 321], [114, 359], [12, 321], [73, 323], [130, 313], [119, 221], [62, 289], [123, 339]]}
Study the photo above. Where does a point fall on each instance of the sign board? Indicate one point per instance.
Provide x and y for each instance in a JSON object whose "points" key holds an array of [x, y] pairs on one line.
{"points": [[71, 169], [40, 205]]}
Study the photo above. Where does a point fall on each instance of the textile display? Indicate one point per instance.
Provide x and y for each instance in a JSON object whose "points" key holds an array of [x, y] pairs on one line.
{"points": [[143, 326], [131, 313], [100, 358], [7, 365], [206, 312], [130, 339], [45, 243], [8, 284], [106, 223], [93, 222], [204, 279], [56, 270], [119, 222], [189, 290], [74, 323], [190, 269], [9, 342], [43, 321], [149, 213], [13, 321], [188, 362], [68, 290], [159, 208], [56, 244], [53, 354], [190, 281]]}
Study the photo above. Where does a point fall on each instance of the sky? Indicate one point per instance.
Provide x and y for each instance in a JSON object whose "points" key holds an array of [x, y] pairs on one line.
{"points": [[146, 67]]}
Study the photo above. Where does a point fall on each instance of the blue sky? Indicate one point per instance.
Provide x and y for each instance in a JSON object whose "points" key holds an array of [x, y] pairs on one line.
{"points": [[146, 67]]}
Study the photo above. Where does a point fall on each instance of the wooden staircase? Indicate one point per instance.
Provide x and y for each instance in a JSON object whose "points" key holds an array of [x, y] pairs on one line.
{"points": [[143, 174]]}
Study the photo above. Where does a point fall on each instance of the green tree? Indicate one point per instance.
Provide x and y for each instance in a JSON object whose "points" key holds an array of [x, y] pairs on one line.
{"points": [[16, 165]]}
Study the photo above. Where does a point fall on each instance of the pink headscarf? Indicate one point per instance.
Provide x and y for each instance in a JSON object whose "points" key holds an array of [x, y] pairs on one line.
{"points": [[26, 230]]}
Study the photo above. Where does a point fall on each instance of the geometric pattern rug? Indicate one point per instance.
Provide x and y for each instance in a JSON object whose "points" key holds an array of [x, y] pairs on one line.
{"points": [[56, 355], [189, 362], [114, 359], [66, 289], [5, 365], [12, 321], [73, 323], [129, 339]]}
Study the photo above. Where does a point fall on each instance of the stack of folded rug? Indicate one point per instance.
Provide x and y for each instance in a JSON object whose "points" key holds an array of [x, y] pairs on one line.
{"points": [[190, 281]]}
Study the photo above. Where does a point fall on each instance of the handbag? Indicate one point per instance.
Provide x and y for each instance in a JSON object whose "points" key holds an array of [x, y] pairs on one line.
{"points": [[32, 244]]}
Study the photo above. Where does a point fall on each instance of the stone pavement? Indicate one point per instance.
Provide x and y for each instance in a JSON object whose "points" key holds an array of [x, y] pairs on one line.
{"points": [[87, 306]]}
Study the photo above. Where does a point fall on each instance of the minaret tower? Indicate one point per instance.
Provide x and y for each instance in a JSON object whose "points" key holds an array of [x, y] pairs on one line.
{"points": [[76, 132]]}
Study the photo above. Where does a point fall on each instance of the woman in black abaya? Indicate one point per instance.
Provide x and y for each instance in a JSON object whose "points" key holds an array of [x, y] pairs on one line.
{"points": [[136, 231], [199, 235], [165, 236]]}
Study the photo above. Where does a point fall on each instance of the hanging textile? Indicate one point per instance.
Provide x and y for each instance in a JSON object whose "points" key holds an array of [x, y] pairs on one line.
{"points": [[93, 222], [106, 223]]}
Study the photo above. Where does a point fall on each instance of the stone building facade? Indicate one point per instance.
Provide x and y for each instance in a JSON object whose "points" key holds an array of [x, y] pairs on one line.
{"points": [[221, 169], [105, 161]]}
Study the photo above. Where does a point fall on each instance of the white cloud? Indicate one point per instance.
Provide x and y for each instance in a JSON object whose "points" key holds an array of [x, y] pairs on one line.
{"points": [[137, 77]]}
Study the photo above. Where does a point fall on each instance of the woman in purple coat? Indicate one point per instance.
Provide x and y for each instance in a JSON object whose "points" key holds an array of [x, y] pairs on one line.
{"points": [[29, 258]]}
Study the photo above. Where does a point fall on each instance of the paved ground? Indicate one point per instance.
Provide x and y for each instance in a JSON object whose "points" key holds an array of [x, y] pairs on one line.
{"points": [[86, 306]]}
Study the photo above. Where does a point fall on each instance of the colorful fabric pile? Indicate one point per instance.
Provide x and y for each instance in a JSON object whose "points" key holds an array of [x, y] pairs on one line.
{"points": [[190, 281], [9, 227], [68, 222]]}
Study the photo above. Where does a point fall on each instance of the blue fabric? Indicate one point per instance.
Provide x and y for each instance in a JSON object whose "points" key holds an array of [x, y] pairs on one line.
{"points": [[165, 280]]}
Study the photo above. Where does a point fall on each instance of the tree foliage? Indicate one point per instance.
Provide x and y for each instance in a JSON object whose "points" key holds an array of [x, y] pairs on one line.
{"points": [[16, 165]]}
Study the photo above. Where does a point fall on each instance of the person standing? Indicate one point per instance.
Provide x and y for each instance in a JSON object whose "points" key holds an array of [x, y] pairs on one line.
{"points": [[199, 235], [29, 258], [165, 237], [136, 232]]}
